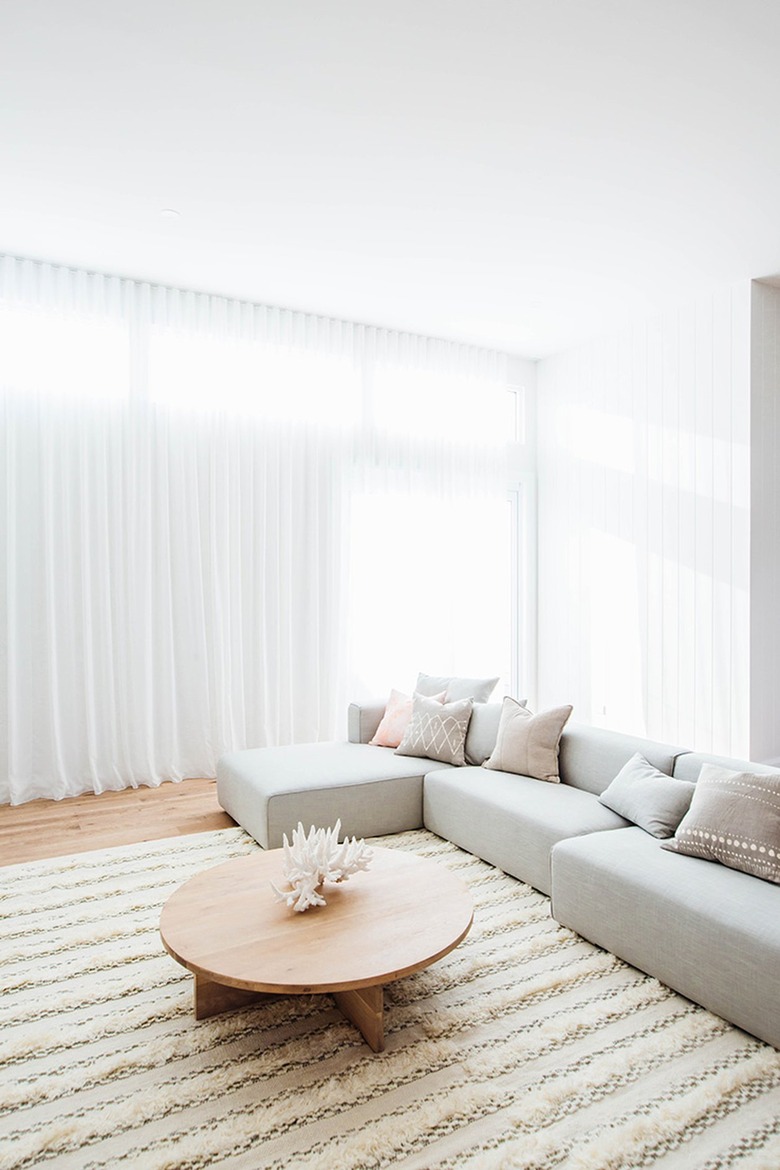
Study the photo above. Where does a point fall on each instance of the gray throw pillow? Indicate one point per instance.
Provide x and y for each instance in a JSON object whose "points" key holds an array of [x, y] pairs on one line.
{"points": [[527, 744], [437, 731], [478, 689], [648, 798], [483, 729], [734, 818]]}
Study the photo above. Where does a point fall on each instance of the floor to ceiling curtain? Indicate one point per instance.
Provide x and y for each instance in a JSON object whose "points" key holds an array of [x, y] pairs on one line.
{"points": [[186, 487]]}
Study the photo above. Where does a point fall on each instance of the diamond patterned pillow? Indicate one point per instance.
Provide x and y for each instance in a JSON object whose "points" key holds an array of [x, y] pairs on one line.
{"points": [[437, 731]]}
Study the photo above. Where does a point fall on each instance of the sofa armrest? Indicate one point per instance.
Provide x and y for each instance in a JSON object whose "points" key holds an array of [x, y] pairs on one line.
{"points": [[363, 720]]}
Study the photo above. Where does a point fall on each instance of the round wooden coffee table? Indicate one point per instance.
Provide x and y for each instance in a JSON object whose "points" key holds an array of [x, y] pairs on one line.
{"points": [[391, 920]]}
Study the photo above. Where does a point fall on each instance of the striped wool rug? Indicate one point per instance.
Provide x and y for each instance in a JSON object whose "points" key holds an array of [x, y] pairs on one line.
{"points": [[525, 1047]]}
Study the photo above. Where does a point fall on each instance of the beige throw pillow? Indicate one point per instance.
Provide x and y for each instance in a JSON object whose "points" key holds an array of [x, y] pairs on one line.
{"points": [[528, 744], [734, 818], [437, 730]]}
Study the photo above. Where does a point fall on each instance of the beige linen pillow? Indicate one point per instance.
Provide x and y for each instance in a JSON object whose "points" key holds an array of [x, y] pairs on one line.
{"points": [[528, 744], [437, 731], [734, 818]]}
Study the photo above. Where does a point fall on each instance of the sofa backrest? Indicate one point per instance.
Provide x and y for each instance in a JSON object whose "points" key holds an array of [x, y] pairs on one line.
{"points": [[688, 765], [482, 732], [363, 719], [590, 757]]}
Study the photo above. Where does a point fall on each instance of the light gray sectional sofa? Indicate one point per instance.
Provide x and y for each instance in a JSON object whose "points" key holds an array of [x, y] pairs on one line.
{"points": [[708, 931]]}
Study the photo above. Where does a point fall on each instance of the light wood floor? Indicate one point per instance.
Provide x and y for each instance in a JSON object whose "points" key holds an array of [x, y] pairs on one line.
{"points": [[52, 828]]}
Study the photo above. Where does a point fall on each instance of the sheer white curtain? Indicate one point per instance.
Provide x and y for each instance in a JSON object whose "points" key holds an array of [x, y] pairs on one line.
{"points": [[182, 476], [430, 531]]}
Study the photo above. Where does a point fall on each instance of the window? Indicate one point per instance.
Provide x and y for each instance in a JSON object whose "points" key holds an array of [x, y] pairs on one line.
{"points": [[213, 503], [435, 404], [431, 588], [62, 355], [202, 373]]}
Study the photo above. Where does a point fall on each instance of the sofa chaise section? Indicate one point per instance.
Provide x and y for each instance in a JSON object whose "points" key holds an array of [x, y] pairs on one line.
{"points": [[710, 932], [371, 789]]}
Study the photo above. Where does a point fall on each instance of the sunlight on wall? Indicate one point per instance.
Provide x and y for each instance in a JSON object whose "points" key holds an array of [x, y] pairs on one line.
{"points": [[616, 628], [647, 544], [688, 460], [597, 437]]}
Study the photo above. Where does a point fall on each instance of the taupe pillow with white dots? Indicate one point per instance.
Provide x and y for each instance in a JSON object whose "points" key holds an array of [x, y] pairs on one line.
{"points": [[734, 818]]}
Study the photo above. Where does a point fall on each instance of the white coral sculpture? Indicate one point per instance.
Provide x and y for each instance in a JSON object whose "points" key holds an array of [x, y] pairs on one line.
{"points": [[316, 858]]}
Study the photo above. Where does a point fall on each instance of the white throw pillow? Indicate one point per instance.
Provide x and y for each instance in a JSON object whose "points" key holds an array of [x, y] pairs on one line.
{"points": [[478, 689]]}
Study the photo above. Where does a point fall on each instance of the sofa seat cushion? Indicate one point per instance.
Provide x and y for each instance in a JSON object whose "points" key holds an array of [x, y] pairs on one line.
{"points": [[371, 789], [709, 932], [511, 821]]}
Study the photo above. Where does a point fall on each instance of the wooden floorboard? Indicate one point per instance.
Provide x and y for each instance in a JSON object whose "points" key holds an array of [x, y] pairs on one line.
{"points": [[53, 828]]}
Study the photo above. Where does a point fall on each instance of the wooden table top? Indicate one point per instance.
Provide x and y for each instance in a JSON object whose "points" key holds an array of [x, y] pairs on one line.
{"points": [[395, 918]]}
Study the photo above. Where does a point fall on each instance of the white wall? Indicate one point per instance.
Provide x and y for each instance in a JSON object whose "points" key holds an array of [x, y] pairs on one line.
{"points": [[765, 532], [644, 527]]}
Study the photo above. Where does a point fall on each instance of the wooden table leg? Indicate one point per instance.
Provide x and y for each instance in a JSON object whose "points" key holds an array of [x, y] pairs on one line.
{"points": [[365, 1009], [210, 998]]}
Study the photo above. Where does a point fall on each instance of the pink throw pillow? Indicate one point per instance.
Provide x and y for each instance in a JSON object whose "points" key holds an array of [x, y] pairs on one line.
{"points": [[396, 719]]}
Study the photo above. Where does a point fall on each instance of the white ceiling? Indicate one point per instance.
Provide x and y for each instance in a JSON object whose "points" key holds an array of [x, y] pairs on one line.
{"points": [[516, 173]]}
